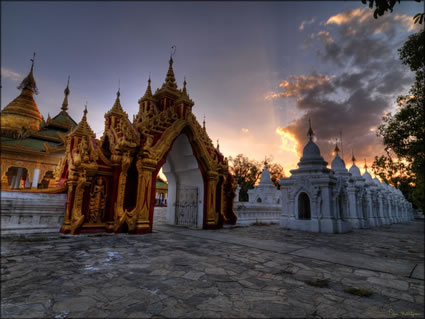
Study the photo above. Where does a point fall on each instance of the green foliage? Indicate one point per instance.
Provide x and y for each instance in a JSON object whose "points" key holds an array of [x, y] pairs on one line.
{"points": [[382, 6], [404, 132]]}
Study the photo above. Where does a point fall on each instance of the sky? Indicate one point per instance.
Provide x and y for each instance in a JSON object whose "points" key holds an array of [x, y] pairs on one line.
{"points": [[256, 70]]}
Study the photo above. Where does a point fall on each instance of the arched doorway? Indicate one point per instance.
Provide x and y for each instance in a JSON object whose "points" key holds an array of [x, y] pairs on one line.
{"points": [[304, 211], [185, 200]]}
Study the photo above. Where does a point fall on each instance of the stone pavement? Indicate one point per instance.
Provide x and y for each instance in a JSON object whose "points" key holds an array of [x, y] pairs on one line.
{"points": [[256, 271]]}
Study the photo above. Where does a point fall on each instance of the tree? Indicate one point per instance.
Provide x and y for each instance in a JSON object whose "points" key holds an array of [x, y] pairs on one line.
{"points": [[276, 171], [382, 6], [404, 132], [247, 172]]}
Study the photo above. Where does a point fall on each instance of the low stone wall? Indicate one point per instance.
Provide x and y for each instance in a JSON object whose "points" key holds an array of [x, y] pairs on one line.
{"points": [[250, 213], [31, 212]]}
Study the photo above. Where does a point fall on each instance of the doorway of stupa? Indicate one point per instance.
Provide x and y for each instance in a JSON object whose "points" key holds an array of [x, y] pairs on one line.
{"points": [[185, 203]]}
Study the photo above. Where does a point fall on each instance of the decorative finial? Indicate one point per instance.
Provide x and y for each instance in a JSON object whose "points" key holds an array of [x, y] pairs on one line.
{"points": [[184, 86], [265, 161], [365, 165], [29, 82], [203, 123], [173, 51], [32, 61], [119, 88], [218, 145], [310, 132], [336, 147], [353, 158], [65, 100], [85, 109]]}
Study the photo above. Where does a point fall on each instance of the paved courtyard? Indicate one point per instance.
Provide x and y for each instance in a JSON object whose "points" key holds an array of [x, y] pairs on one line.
{"points": [[256, 271]]}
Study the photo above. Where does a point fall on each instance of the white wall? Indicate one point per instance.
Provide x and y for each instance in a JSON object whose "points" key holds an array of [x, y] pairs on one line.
{"points": [[181, 168]]}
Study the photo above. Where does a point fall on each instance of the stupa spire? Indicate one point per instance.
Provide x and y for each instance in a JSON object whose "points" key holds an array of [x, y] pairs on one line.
{"points": [[353, 159], [184, 87], [65, 100], [203, 123], [365, 165], [336, 150], [218, 145], [29, 82], [310, 132]]}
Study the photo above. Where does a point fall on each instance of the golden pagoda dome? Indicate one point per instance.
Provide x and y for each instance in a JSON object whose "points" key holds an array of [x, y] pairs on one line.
{"points": [[22, 112]]}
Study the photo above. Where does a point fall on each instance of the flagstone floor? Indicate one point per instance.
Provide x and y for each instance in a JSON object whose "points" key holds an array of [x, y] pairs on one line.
{"points": [[245, 272]]}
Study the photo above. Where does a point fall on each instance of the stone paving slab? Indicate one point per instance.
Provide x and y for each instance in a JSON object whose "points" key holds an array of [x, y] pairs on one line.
{"points": [[358, 260], [269, 245], [174, 274]]}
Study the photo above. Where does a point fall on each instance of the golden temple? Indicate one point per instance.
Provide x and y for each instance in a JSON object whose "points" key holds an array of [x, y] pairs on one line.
{"points": [[31, 146]]}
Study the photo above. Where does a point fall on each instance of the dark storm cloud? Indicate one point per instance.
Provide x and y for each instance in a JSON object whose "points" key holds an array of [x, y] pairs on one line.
{"points": [[352, 101]]}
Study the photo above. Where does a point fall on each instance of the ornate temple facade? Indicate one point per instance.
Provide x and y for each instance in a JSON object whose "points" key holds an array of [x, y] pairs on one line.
{"points": [[111, 181], [31, 146], [316, 198]]}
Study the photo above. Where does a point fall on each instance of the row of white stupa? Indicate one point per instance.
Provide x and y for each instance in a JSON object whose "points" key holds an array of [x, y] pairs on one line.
{"points": [[316, 198]]}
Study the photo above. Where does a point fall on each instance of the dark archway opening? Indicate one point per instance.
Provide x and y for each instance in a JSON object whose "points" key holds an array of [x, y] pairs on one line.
{"points": [[304, 211]]}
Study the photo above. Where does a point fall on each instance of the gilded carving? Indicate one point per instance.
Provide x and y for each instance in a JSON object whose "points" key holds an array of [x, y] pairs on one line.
{"points": [[97, 201]]}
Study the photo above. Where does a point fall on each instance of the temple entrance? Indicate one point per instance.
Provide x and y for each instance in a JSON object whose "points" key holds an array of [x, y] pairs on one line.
{"points": [[186, 205], [304, 206], [185, 185]]}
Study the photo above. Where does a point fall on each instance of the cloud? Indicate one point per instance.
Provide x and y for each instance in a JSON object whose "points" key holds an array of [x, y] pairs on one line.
{"points": [[289, 142], [11, 75], [299, 84], [244, 130], [365, 77], [306, 22]]}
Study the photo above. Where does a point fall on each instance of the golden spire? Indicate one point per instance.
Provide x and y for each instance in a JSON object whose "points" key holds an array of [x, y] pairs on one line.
{"points": [[83, 128], [310, 132], [116, 108], [148, 93], [365, 165], [65, 100], [184, 91], [203, 123], [170, 80], [29, 82]]}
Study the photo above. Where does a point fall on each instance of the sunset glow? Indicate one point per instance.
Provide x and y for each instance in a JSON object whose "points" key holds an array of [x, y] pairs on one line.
{"points": [[288, 141]]}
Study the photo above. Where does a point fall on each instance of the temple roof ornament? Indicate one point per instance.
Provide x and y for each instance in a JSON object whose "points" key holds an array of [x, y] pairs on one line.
{"points": [[65, 100], [83, 128], [117, 108], [170, 80], [310, 132], [354, 170], [29, 82], [148, 93], [203, 123]]}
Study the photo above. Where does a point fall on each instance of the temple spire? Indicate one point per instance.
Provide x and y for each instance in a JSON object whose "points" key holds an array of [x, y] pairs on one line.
{"points": [[203, 123], [148, 93], [65, 100], [218, 145], [353, 158], [170, 80], [310, 132], [29, 82], [184, 87], [336, 150], [365, 165]]}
